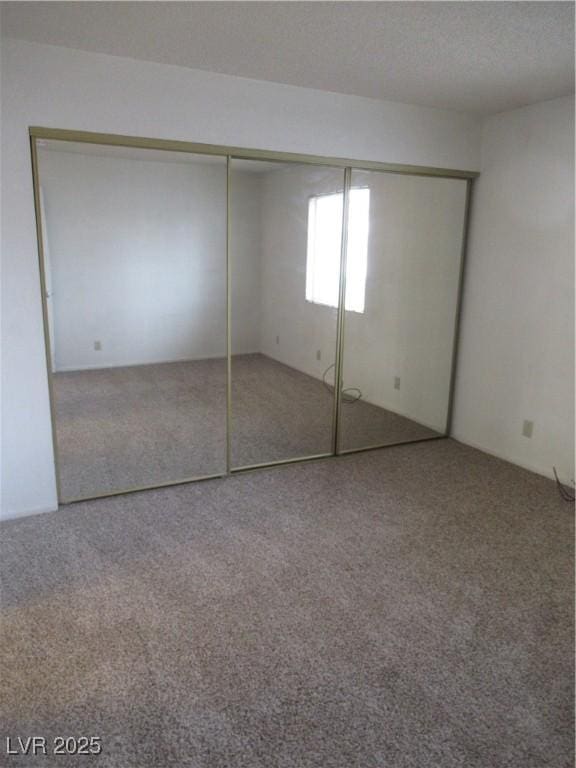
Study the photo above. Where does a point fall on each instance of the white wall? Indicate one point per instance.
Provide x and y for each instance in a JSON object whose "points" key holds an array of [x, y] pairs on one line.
{"points": [[406, 329], [517, 350], [138, 259], [293, 329], [63, 88], [245, 260]]}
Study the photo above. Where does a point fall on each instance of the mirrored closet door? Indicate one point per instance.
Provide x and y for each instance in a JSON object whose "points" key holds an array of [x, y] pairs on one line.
{"points": [[207, 313], [285, 248], [403, 272], [134, 255]]}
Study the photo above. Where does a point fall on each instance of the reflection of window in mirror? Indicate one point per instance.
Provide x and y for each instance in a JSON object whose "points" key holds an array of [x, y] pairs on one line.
{"points": [[323, 255]]}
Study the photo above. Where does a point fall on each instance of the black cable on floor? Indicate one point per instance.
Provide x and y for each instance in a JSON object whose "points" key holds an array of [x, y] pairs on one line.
{"points": [[346, 398], [562, 489]]}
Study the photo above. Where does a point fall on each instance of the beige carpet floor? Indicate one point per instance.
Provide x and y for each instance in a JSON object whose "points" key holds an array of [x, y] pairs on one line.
{"points": [[405, 608], [121, 428]]}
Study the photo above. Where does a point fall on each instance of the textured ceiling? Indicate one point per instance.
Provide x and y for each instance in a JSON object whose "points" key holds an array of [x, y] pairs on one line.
{"points": [[481, 57]]}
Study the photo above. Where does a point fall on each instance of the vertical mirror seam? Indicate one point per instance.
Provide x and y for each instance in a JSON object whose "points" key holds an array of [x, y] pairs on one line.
{"points": [[42, 272], [460, 295], [228, 324], [340, 329]]}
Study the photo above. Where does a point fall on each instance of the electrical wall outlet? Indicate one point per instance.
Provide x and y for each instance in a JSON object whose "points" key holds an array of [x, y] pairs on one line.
{"points": [[396, 382], [319, 354], [528, 428], [97, 346], [277, 339]]}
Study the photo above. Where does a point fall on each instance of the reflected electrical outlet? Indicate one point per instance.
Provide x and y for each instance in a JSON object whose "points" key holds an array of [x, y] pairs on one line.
{"points": [[528, 428], [319, 355], [277, 339], [97, 346], [396, 382]]}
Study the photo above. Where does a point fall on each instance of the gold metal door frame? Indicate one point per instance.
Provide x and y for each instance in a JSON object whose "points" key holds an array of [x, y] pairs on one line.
{"points": [[243, 153]]}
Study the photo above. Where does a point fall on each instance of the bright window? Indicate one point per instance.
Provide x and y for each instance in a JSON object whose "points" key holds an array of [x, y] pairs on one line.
{"points": [[323, 256]]}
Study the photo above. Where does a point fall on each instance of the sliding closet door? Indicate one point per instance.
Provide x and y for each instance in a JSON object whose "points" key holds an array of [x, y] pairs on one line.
{"points": [[403, 266], [135, 256], [285, 247]]}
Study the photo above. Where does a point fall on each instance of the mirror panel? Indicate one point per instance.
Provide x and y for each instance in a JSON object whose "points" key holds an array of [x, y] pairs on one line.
{"points": [[285, 246], [135, 264], [403, 268]]}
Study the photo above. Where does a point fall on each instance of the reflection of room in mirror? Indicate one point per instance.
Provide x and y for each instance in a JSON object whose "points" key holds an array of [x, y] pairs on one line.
{"points": [[398, 350], [402, 272], [135, 244], [135, 256], [295, 237]]}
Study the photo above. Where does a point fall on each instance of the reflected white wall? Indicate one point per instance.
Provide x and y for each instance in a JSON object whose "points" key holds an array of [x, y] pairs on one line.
{"points": [[294, 330], [406, 329], [138, 259]]}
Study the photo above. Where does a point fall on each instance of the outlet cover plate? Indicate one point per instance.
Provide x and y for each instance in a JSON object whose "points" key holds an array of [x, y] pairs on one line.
{"points": [[527, 428]]}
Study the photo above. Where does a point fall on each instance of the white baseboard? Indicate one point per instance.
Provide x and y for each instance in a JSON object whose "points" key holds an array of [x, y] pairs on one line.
{"points": [[538, 470], [138, 363], [12, 515], [363, 399]]}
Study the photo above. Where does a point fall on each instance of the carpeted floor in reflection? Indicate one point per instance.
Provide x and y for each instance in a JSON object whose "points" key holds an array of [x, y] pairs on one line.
{"points": [[405, 608], [121, 428]]}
